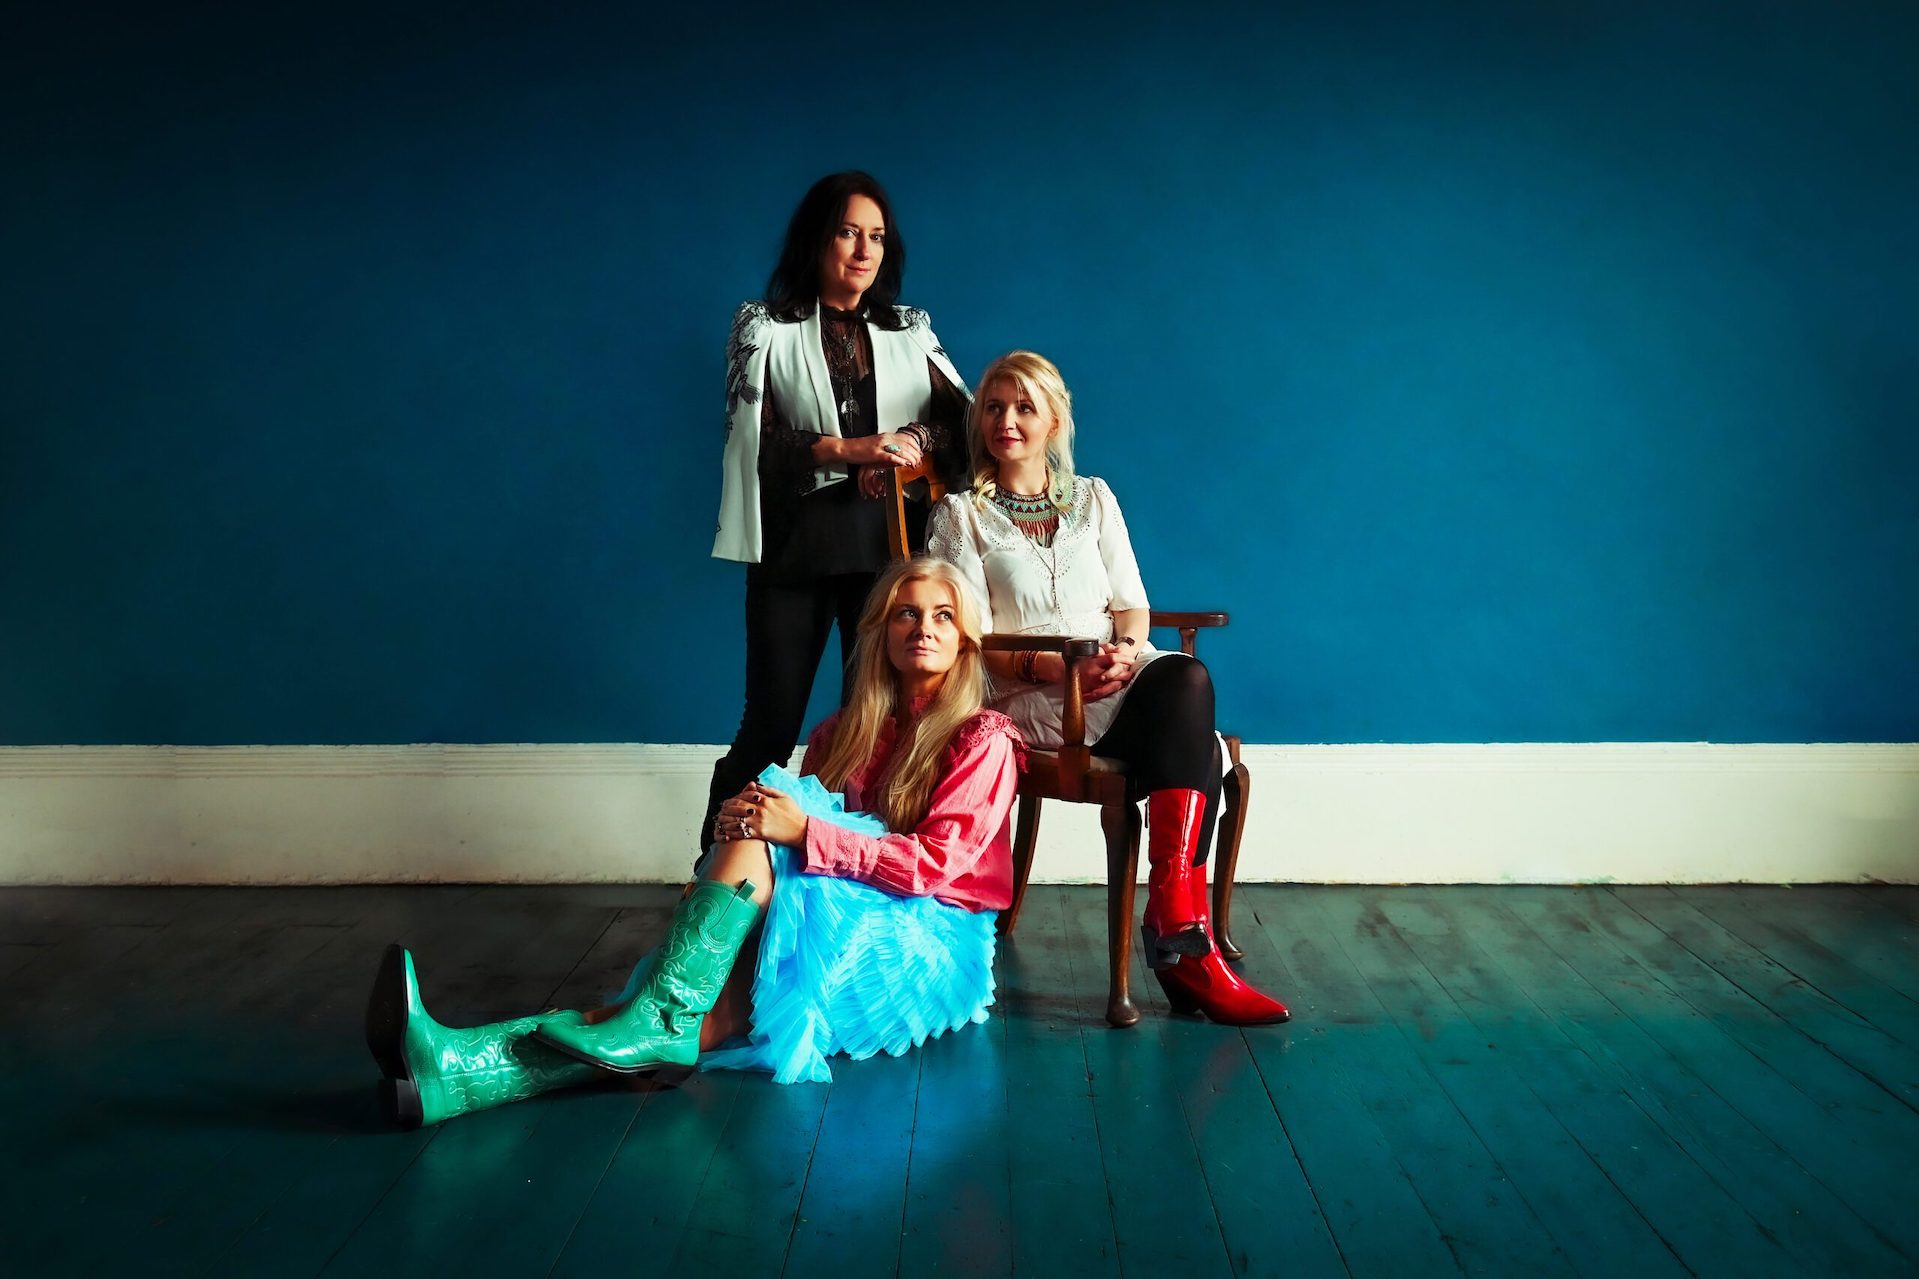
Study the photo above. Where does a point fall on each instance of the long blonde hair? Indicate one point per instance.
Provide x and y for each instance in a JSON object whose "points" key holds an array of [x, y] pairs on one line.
{"points": [[908, 781], [1039, 378]]}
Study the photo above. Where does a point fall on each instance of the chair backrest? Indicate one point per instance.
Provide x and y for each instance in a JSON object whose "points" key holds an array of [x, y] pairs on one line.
{"points": [[896, 481]]}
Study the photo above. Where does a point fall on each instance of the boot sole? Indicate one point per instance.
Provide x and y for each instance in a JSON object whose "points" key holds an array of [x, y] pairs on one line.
{"points": [[386, 1039], [1263, 1021], [1186, 1005]]}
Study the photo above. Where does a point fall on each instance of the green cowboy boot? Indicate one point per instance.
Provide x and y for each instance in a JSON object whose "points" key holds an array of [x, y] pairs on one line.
{"points": [[660, 1027], [435, 1072]]}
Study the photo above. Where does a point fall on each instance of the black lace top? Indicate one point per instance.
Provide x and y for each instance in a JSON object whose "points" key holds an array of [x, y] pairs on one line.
{"points": [[811, 533]]}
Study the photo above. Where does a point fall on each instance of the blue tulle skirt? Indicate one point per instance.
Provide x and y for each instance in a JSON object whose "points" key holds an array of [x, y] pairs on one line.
{"points": [[848, 968]]}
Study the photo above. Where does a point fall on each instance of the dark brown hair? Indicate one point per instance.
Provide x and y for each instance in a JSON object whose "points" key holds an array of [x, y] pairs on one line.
{"points": [[794, 286]]}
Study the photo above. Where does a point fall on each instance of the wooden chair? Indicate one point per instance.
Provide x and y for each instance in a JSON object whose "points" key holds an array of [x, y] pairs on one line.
{"points": [[895, 499], [1076, 775]]}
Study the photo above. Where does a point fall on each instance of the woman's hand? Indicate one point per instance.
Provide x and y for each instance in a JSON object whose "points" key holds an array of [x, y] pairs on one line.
{"points": [[888, 448], [1105, 673], [760, 812], [1100, 675], [734, 821], [872, 480], [779, 818]]}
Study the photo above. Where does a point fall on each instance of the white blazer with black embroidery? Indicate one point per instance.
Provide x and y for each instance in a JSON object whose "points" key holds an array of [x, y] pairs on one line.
{"points": [[767, 356]]}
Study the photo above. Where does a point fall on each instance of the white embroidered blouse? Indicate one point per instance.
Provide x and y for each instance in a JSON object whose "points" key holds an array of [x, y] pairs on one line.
{"points": [[1072, 587]]}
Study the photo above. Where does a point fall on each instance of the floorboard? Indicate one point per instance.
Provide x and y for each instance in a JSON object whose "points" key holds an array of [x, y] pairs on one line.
{"points": [[1901, 900], [1163, 1218], [1595, 1082], [1714, 1186], [647, 1192], [1061, 1216], [1750, 1060], [1851, 922], [1844, 971], [958, 1200], [854, 1203], [1845, 1101], [1269, 1216], [1506, 1060], [1520, 1188], [1315, 1071], [741, 1221]]}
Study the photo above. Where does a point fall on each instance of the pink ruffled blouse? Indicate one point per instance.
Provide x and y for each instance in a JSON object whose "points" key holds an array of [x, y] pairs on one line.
{"points": [[962, 850]]}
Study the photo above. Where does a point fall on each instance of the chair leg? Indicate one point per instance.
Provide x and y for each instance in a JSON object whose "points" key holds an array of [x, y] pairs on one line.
{"points": [[1121, 823], [1025, 836], [1232, 824]]}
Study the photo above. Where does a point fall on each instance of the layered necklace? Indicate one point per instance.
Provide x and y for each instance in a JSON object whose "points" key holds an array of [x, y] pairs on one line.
{"points": [[839, 334], [1035, 516], [1032, 513]]}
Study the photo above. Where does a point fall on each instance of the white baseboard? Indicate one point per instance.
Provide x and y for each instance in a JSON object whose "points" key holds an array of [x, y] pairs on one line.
{"points": [[1543, 813]]}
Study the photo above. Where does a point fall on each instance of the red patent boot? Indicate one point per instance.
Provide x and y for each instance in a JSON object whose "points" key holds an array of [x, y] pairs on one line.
{"points": [[1208, 985], [1170, 927]]}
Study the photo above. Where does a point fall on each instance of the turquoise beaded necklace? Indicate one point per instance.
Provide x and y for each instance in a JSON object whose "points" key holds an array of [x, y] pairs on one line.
{"points": [[1032, 513]]}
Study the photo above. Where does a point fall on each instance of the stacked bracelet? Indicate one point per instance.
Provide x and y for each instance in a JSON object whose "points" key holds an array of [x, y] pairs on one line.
{"points": [[1023, 665]]}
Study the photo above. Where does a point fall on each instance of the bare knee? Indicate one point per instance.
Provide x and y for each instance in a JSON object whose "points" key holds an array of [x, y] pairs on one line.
{"points": [[743, 859]]}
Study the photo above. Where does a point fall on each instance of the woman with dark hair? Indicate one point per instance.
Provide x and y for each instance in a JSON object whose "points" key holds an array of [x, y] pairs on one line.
{"points": [[812, 928], [829, 383], [1046, 551]]}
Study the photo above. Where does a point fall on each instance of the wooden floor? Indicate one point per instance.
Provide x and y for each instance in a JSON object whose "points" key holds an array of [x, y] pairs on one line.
{"points": [[1499, 1081]]}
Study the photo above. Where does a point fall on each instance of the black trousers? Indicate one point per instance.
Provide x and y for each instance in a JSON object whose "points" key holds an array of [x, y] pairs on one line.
{"points": [[1164, 733], [786, 626]]}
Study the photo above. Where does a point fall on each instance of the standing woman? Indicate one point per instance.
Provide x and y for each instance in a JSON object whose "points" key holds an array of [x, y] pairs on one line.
{"points": [[829, 384], [1046, 552]]}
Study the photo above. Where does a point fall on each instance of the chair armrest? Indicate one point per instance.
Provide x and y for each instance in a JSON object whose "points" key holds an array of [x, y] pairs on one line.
{"points": [[1183, 620], [1188, 625], [1072, 729], [1072, 649]]}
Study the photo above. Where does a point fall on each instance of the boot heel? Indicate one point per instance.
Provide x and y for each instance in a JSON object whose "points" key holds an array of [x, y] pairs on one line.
{"points": [[400, 1100], [1179, 999]]}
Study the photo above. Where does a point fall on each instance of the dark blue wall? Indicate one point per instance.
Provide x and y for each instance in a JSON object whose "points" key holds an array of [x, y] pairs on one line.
{"points": [[1512, 371]]}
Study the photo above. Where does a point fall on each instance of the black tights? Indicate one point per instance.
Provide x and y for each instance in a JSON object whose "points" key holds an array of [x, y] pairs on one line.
{"points": [[1164, 733]]}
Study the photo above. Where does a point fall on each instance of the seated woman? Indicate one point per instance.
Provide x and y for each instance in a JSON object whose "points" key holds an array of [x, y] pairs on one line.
{"points": [[870, 942], [1046, 552]]}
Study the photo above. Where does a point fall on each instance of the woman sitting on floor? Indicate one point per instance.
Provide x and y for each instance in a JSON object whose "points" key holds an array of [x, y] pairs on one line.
{"points": [[1046, 552], [811, 930]]}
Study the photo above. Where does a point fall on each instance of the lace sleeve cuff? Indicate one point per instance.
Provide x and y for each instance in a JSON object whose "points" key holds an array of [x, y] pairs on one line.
{"points": [[945, 429], [786, 454]]}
